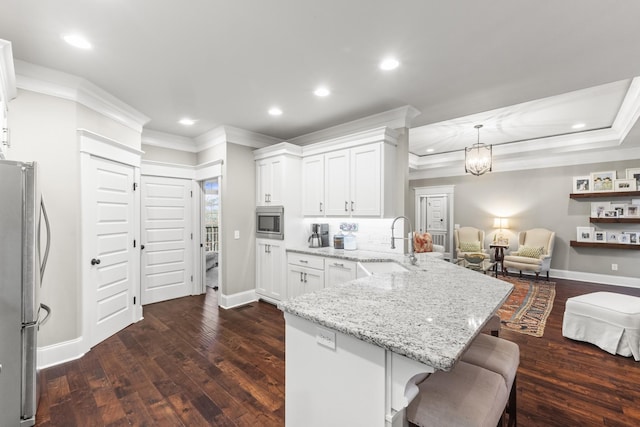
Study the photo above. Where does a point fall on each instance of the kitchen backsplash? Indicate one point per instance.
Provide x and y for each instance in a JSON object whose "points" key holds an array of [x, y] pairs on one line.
{"points": [[371, 234]]}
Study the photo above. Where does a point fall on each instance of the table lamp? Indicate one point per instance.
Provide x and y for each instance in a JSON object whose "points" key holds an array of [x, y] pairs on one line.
{"points": [[500, 224]]}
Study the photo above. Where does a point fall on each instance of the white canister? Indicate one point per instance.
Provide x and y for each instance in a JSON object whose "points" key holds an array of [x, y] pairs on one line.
{"points": [[350, 243]]}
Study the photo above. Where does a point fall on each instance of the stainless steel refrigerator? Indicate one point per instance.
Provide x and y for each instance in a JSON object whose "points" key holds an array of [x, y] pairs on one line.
{"points": [[22, 263]]}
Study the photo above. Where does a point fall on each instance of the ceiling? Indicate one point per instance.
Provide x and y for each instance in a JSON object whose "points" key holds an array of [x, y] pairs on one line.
{"points": [[227, 62]]}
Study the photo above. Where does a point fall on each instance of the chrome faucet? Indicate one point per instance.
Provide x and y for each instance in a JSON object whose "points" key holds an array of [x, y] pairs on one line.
{"points": [[412, 253]]}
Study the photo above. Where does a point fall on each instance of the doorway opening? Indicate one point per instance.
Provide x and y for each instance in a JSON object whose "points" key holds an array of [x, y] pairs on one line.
{"points": [[211, 231], [434, 214]]}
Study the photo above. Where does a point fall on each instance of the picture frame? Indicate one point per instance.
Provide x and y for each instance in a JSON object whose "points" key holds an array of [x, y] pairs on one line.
{"points": [[612, 237], [602, 181], [632, 210], [600, 236], [634, 237], [623, 238], [625, 185], [582, 184], [634, 173], [598, 209], [613, 213], [618, 207], [585, 234]]}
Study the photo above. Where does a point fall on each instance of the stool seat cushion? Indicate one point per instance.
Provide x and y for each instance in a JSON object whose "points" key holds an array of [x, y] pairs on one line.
{"points": [[495, 354], [609, 320], [466, 396]]}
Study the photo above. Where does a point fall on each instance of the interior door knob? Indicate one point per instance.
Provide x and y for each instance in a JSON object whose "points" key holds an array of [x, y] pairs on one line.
{"points": [[95, 261]]}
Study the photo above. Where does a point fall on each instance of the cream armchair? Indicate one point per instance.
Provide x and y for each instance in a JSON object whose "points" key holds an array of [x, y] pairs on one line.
{"points": [[534, 252], [469, 240]]}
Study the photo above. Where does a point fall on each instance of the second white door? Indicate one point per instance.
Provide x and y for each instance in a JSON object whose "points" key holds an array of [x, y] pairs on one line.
{"points": [[167, 239]]}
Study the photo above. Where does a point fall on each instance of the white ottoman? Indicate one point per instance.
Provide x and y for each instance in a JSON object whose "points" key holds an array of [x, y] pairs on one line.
{"points": [[609, 320]]}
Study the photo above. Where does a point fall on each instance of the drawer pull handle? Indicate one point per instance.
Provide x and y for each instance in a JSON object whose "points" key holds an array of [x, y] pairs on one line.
{"points": [[304, 261]]}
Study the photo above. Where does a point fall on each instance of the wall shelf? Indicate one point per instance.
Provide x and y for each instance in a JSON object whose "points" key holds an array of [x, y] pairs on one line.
{"points": [[626, 220], [576, 244], [606, 194]]}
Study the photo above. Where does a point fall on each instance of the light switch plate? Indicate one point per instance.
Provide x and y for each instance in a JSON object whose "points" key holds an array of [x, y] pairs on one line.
{"points": [[236, 234], [326, 338]]}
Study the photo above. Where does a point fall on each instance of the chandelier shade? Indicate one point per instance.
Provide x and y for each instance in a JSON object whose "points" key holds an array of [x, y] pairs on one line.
{"points": [[478, 157]]}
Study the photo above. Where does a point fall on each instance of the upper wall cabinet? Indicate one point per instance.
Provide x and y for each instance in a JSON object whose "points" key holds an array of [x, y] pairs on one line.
{"points": [[354, 176], [277, 173], [7, 92]]}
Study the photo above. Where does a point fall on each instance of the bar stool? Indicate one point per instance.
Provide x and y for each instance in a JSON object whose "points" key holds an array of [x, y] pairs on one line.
{"points": [[500, 356], [466, 396]]}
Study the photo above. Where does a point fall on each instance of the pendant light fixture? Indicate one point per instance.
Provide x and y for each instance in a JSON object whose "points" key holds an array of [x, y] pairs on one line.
{"points": [[478, 157]]}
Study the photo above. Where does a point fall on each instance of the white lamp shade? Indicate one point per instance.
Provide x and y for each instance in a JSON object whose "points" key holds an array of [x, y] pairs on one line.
{"points": [[500, 223]]}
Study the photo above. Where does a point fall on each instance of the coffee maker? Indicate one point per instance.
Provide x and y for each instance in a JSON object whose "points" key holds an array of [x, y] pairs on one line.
{"points": [[319, 236]]}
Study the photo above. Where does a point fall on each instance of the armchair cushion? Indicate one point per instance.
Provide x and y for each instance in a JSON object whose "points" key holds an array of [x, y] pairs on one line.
{"points": [[422, 242], [470, 247], [530, 251]]}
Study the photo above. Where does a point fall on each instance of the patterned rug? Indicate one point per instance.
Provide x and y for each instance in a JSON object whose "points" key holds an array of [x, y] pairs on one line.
{"points": [[528, 307]]}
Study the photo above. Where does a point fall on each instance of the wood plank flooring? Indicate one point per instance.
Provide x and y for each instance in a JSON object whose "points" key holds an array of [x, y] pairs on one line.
{"points": [[190, 364]]}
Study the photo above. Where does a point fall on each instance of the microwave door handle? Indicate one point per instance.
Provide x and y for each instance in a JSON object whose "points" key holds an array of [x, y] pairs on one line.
{"points": [[43, 264]]}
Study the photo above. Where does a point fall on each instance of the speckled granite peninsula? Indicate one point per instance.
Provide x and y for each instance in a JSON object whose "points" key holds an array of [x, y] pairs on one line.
{"points": [[429, 314]]}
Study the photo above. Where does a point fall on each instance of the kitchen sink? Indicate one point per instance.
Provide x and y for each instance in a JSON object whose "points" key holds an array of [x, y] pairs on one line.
{"points": [[369, 268]]}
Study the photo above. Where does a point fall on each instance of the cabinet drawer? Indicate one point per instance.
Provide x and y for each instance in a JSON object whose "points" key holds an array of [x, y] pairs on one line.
{"points": [[303, 260]]}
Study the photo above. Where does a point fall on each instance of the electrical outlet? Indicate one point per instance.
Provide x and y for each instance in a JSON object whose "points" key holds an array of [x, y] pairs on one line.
{"points": [[236, 234], [614, 267], [326, 338]]}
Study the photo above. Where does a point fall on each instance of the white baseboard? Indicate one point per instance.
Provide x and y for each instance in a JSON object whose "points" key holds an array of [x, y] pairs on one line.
{"points": [[235, 300], [56, 354], [605, 279]]}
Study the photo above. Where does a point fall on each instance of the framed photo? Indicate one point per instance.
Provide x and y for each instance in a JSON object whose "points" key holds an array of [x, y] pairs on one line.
{"points": [[602, 181], [632, 210], [618, 207], [613, 213], [581, 184], [625, 185], [585, 234], [612, 237], [623, 238], [634, 173], [600, 236], [598, 209], [634, 237]]}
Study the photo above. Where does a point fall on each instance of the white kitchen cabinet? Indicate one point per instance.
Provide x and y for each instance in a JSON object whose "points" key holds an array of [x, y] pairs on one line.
{"points": [[336, 183], [305, 273], [339, 271], [270, 269], [313, 203], [364, 180], [270, 176]]}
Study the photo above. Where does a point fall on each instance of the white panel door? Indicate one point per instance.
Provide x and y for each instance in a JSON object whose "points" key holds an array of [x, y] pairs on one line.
{"points": [[110, 220], [336, 183], [166, 236], [436, 214]]}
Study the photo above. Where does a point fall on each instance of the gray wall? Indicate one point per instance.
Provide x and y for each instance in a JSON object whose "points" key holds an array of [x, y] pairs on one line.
{"points": [[540, 198]]}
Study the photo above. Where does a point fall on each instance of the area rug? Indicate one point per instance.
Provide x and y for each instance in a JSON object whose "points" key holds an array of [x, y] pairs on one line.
{"points": [[528, 307]]}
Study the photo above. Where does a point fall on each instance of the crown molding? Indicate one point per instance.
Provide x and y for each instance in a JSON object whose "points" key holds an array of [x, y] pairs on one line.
{"points": [[66, 86], [283, 148], [381, 134], [629, 110], [167, 140], [222, 134], [394, 119], [7, 72]]}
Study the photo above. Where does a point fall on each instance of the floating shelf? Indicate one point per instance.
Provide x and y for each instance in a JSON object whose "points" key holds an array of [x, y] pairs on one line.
{"points": [[626, 220], [607, 194], [577, 244]]}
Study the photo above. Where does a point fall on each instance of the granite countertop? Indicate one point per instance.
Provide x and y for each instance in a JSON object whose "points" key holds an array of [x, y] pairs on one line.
{"points": [[429, 314], [360, 255]]}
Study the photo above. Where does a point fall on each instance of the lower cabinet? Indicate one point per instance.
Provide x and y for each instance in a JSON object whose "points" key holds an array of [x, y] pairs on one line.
{"points": [[339, 271], [270, 269], [305, 273]]}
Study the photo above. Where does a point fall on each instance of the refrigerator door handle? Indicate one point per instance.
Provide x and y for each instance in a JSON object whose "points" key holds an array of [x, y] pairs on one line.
{"points": [[46, 251], [48, 310]]}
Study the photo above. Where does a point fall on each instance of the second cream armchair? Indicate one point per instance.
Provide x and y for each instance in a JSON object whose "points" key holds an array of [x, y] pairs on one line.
{"points": [[469, 240]]}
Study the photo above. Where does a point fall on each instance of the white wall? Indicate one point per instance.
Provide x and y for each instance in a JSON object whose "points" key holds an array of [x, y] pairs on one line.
{"points": [[168, 155]]}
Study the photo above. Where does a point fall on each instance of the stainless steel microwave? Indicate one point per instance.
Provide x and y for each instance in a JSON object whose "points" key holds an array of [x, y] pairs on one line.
{"points": [[270, 222]]}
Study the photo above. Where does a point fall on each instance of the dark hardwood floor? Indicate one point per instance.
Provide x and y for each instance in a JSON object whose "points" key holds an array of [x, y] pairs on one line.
{"points": [[189, 364]]}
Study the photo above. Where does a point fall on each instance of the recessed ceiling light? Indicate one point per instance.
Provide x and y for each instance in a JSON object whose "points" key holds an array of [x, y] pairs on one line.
{"points": [[322, 91], [578, 126], [430, 150], [76, 40], [389, 64], [187, 122], [275, 111]]}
